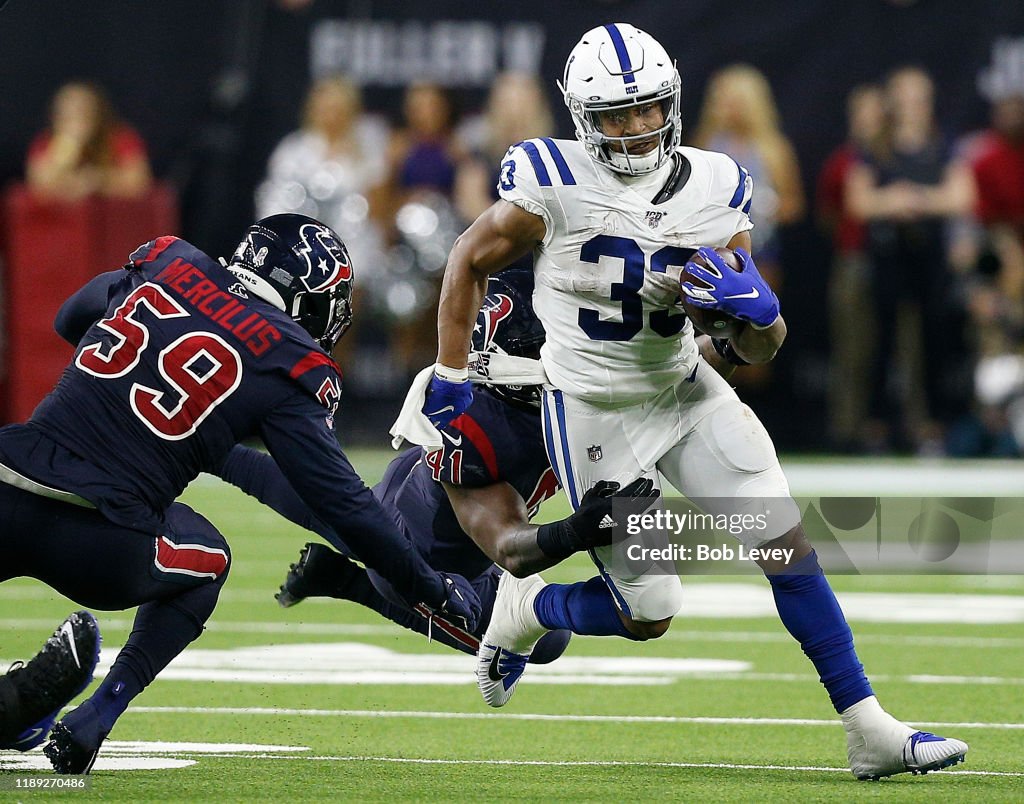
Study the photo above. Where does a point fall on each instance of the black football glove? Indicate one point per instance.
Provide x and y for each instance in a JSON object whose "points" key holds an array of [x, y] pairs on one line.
{"points": [[461, 603], [593, 524]]}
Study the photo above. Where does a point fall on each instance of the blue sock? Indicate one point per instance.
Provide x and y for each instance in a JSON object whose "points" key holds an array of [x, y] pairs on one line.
{"points": [[809, 610], [162, 630], [583, 608], [112, 697]]}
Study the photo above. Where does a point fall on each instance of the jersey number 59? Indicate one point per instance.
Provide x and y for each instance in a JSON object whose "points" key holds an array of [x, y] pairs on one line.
{"points": [[200, 368]]}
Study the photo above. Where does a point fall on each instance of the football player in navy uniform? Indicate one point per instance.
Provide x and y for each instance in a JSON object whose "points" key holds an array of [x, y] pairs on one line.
{"points": [[178, 358], [466, 507]]}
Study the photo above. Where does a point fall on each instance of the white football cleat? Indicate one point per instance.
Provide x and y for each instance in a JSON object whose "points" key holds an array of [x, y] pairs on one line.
{"points": [[506, 645], [878, 745]]}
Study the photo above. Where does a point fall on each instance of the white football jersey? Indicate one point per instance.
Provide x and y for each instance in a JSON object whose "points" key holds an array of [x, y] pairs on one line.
{"points": [[607, 272]]}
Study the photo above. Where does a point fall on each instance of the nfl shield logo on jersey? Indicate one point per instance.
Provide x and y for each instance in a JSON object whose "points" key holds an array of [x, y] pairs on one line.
{"points": [[594, 452]]}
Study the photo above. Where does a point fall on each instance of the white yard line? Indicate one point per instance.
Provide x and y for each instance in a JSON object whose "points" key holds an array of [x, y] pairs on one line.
{"points": [[596, 763], [674, 635], [426, 715]]}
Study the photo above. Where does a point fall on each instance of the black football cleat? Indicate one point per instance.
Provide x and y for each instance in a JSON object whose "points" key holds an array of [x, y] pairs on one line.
{"points": [[32, 695], [76, 740], [320, 572]]}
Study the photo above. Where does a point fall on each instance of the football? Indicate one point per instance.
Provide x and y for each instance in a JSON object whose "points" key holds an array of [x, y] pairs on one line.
{"points": [[712, 322]]}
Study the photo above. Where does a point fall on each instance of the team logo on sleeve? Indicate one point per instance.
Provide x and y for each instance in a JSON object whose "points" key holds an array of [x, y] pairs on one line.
{"points": [[332, 263], [495, 309], [329, 395]]}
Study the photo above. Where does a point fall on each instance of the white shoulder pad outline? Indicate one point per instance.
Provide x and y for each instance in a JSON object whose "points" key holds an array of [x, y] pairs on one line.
{"points": [[743, 192], [550, 167]]}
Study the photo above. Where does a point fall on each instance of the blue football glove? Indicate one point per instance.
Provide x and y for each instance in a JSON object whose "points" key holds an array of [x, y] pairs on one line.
{"points": [[446, 400], [461, 603], [742, 295]]}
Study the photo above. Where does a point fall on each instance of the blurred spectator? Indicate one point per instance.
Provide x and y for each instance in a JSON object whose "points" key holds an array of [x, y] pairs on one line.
{"points": [[739, 118], [995, 425], [851, 304], [998, 165], [424, 157], [331, 169], [906, 190], [424, 153], [517, 109], [86, 150]]}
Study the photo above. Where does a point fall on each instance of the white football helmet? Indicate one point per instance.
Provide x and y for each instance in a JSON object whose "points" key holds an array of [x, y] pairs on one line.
{"points": [[618, 66]]}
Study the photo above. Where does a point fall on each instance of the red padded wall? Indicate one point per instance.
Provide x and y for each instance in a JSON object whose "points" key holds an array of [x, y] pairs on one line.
{"points": [[52, 249]]}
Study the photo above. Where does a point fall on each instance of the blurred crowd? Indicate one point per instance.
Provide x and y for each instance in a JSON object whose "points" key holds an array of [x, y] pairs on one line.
{"points": [[926, 228]]}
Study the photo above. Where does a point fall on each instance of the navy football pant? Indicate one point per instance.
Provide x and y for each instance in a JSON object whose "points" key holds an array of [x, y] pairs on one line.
{"points": [[174, 577], [102, 565]]}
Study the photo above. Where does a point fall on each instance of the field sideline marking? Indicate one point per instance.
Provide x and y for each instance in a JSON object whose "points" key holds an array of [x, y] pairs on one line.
{"points": [[592, 763], [355, 629], [713, 721]]}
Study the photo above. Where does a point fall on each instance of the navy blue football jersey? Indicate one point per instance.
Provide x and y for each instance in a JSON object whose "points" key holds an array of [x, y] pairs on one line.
{"points": [[491, 442], [175, 364]]}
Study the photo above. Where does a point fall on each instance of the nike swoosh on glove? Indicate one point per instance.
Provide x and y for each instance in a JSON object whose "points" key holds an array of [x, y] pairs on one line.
{"points": [[742, 295], [461, 601], [446, 400]]}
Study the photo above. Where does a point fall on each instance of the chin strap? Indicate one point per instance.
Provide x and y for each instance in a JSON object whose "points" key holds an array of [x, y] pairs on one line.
{"points": [[677, 179]]}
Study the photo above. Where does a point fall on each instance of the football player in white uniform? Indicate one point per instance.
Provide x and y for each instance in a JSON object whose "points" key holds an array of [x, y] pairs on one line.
{"points": [[612, 219]]}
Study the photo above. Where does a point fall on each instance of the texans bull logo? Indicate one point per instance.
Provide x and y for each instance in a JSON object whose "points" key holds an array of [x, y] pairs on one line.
{"points": [[332, 264], [496, 308]]}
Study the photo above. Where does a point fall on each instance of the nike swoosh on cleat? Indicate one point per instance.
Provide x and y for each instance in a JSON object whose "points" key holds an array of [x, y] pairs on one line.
{"points": [[752, 295], [493, 670], [67, 631], [30, 736]]}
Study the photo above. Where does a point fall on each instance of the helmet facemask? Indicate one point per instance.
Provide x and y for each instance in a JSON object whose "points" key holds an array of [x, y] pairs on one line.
{"points": [[613, 152], [326, 316]]}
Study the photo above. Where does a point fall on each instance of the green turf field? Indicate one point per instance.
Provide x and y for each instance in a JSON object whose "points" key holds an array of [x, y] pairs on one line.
{"points": [[325, 701]]}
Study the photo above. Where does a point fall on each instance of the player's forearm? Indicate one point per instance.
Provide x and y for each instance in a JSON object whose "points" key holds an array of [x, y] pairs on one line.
{"points": [[258, 475], [462, 292], [760, 345], [713, 358], [496, 519], [520, 553]]}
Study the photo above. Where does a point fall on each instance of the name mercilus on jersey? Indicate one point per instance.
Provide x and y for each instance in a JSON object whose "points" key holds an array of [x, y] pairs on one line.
{"points": [[221, 307]]}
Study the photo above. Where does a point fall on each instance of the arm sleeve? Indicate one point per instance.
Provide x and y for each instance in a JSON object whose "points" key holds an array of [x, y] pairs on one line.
{"points": [[305, 448], [259, 476], [87, 306]]}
